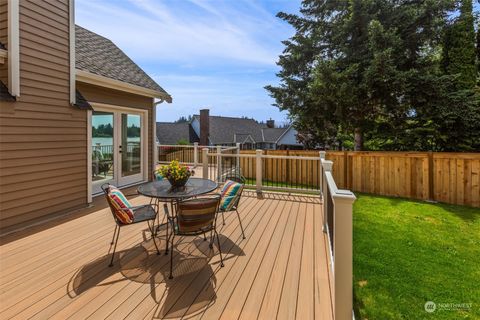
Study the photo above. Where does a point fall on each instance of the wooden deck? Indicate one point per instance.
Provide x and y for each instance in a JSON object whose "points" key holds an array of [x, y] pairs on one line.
{"points": [[280, 270]]}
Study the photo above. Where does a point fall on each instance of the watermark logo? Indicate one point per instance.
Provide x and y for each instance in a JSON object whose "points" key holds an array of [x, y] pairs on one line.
{"points": [[430, 306]]}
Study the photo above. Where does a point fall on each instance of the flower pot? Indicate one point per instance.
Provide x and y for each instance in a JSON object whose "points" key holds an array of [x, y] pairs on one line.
{"points": [[176, 184]]}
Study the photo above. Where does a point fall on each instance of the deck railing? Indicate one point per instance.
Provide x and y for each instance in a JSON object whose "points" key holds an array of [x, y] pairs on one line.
{"points": [[337, 224], [186, 154], [264, 172]]}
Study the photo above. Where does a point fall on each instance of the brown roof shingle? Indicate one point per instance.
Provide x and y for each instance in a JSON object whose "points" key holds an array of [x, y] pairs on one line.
{"points": [[99, 55]]}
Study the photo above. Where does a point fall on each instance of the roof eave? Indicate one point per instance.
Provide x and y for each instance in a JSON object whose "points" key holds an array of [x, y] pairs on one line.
{"points": [[95, 79]]}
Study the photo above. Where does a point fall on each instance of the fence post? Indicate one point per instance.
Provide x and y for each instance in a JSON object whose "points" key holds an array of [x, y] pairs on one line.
{"points": [[258, 176], [237, 159], [342, 255], [431, 194], [320, 171], [205, 163], [195, 154], [326, 166]]}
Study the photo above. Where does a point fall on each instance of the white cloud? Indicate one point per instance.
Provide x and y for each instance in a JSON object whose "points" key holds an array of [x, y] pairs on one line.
{"points": [[173, 31]]}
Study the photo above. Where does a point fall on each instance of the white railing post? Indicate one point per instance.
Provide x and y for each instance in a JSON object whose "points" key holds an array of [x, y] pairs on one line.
{"points": [[237, 159], [326, 166], [342, 253], [195, 154], [320, 172], [258, 176], [219, 163], [205, 163]]}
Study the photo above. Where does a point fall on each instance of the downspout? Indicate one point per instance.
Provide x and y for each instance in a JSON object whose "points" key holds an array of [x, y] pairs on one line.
{"points": [[154, 134]]}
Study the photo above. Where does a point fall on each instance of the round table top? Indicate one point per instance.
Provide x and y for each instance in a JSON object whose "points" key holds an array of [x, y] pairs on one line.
{"points": [[163, 189]]}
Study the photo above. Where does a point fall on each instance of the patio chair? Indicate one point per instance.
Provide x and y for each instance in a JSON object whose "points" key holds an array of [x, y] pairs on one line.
{"points": [[231, 194], [193, 218], [100, 164], [125, 214]]}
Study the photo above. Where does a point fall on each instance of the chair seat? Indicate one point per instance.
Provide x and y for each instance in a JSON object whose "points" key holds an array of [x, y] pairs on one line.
{"points": [[143, 213]]}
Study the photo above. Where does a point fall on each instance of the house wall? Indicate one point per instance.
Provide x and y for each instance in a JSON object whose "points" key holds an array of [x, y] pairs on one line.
{"points": [[124, 99], [289, 138], [43, 158], [4, 38]]}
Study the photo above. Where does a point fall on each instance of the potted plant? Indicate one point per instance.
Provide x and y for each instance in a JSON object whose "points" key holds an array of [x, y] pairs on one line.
{"points": [[175, 173]]}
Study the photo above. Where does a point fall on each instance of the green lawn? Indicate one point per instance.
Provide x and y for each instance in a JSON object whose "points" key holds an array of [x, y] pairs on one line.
{"points": [[407, 253]]}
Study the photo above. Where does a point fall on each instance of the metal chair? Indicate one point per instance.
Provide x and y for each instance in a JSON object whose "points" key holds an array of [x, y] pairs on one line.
{"points": [[236, 201], [194, 217], [141, 213]]}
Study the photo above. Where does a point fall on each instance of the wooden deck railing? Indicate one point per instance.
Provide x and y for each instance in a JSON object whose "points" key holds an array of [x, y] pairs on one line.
{"points": [[337, 224]]}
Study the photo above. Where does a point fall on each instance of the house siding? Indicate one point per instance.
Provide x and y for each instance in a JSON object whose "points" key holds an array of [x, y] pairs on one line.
{"points": [[96, 94], [43, 158]]}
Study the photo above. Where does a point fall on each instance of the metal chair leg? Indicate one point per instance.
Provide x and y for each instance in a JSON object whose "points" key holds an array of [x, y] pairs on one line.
{"points": [[240, 220], [114, 248], [171, 259], [152, 230], [114, 233], [166, 239], [204, 237], [219, 249]]}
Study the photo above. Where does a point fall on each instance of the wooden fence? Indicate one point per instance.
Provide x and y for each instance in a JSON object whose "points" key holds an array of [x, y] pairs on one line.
{"points": [[445, 177]]}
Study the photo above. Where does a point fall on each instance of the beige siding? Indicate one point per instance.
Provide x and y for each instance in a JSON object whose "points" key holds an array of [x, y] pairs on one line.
{"points": [[4, 38], [43, 158], [118, 98]]}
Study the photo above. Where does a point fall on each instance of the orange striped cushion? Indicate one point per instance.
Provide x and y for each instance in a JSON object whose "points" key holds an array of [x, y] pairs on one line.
{"points": [[119, 202]]}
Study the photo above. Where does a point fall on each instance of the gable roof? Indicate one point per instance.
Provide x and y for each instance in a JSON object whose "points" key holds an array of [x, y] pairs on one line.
{"points": [[224, 129], [100, 56], [171, 133], [273, 134]]}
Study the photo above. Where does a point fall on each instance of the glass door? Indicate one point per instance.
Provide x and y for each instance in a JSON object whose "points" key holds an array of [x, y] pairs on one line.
{"points": [[131, 148], [103, 150], [118, 149]]}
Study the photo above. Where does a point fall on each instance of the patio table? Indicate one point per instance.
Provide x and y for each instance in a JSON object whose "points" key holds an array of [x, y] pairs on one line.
{"points": [[162, 191]]}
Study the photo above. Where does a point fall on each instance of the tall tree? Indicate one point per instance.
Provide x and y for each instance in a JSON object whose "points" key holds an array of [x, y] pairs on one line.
{"points": [[359, 68]]}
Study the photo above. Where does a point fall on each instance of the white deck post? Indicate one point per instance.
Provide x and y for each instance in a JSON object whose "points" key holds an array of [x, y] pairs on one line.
{"points": [[195, 154], [320, 172], [258, 178], [326, 166], [237, 159], [219, 163], [342, 253], [205, 163]]}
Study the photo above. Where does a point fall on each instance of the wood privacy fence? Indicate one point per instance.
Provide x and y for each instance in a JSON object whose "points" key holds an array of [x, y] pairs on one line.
{"points": [[438, 176]]}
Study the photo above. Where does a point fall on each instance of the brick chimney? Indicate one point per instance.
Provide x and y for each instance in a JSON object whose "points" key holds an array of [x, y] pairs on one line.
{"points": [[271, 123], [204, 126]]}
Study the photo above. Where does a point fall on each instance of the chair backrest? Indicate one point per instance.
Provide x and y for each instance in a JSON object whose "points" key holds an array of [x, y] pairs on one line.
{"points": [[236, 178], [118, 203], [195, 215]]}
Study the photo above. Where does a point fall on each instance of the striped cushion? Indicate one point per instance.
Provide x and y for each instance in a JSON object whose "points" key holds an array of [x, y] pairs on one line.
{"points": [[119, 202], [229, 191]]}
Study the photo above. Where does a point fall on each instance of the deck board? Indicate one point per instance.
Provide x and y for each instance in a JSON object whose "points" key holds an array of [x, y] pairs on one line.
{"points": [[279, 271]]}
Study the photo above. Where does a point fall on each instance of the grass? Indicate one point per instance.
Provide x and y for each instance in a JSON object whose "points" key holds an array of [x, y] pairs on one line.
{"points": [[407, 253]]}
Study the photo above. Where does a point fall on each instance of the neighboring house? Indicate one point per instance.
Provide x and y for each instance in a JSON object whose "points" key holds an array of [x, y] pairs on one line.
{"points": [[228, 131], [75, 113]]}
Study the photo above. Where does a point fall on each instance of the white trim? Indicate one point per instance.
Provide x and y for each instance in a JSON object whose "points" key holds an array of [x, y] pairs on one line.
{"points": [[71, 7], [87, 77], [3, 55], [13, 48], [154, 137], [89, 156]]}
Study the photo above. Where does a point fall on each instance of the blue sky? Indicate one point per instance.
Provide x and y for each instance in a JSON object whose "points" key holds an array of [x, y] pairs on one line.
{"points": [[216, 54]]}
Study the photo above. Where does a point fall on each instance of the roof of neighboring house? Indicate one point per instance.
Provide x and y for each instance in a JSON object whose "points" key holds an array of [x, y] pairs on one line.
{"points": [[4, 94], [224, 129], [2, 46], [273, 134], [99, 55], [171, 133]]}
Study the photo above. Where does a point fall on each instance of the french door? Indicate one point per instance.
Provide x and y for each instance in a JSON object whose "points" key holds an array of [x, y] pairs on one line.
{"points": [[119, 150]]}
